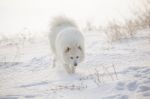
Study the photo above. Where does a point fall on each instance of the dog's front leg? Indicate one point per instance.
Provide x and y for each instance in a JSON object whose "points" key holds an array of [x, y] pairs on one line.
{"points": [[67, 68], [54, 62], [72, 69]]}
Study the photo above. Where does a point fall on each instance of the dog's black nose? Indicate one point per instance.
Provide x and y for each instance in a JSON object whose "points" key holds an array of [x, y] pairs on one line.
{"points": [[75, 64]]}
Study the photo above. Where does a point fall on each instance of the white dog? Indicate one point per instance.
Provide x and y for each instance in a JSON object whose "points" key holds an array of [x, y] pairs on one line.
{"points": [[67, 43]]}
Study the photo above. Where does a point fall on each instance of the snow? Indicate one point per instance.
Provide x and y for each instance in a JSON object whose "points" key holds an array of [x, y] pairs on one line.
{"points": [[120, 70]]}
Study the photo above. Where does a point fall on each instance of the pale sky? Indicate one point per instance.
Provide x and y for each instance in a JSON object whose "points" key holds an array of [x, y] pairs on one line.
{"points": [[15, 15]]}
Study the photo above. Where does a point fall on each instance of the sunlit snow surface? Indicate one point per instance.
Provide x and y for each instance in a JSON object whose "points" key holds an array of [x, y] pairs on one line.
{"points": [[120, 70]]}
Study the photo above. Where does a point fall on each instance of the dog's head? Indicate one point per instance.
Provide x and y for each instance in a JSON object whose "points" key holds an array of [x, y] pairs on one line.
{"points": [[73, 55]]}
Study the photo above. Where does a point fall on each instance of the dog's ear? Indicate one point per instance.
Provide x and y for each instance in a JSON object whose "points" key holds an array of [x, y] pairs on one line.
{"points": [[79, 47], [67, 50]]}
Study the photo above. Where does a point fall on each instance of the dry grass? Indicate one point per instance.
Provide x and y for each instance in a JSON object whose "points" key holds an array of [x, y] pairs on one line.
{"points": [[16, 42], [71, 87], [130, 27], [102, 76], [116, 30]]}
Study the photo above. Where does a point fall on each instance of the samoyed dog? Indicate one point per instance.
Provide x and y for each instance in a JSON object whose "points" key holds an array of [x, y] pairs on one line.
{"points": [[67, 43]]}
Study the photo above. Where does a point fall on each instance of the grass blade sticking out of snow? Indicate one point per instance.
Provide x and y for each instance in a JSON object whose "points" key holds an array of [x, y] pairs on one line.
{"points": [[98, 79], [107, 72], [115, 71]]}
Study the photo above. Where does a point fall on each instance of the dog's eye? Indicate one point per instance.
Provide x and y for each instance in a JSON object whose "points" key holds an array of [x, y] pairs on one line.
{"points": [[71, 57], [77, 56]]}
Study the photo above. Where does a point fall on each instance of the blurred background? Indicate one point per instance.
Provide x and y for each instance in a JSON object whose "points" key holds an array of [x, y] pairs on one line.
{"points": [[35, 15]]}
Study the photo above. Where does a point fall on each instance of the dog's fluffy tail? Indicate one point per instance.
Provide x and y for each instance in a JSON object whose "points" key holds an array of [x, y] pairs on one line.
{"points": [[57, 25], [61, 22]]}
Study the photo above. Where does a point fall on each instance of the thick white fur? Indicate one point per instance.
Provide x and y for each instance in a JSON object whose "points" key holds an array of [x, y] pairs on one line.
{"points": [[67, 43]]}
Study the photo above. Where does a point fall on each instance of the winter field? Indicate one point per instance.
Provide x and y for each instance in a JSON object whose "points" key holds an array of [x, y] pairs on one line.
{"points": [[120, 70], [117, 50]]}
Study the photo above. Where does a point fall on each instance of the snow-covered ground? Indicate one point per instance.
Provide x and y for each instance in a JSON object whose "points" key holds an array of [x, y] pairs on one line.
{"points": [[120, 70]]}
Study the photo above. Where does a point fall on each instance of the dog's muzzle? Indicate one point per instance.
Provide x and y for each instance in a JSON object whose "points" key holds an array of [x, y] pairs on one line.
{"points": [[75, 64]]}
